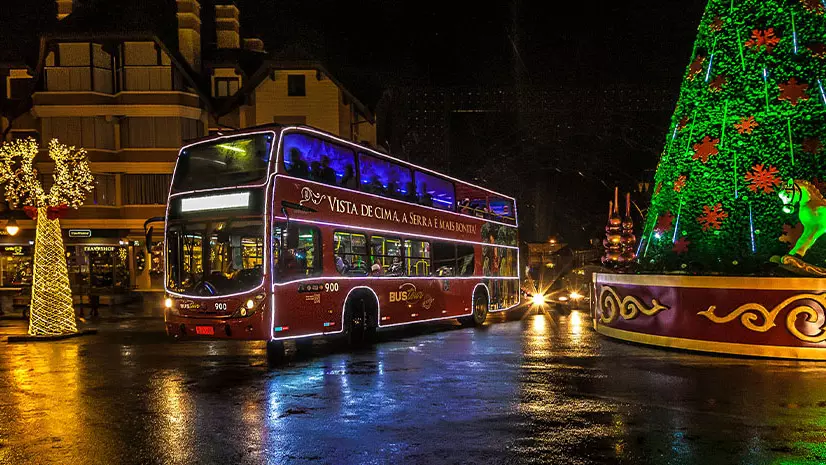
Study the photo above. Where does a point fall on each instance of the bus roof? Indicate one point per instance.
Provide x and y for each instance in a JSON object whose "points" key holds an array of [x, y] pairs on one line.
{"points": [[304, 128]]}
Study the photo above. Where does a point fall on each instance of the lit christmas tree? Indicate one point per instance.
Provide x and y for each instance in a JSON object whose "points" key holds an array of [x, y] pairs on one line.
{"points": [[749, 126], [51, 307]]}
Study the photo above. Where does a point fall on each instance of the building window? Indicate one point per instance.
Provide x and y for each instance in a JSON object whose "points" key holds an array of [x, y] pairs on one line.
{"points": [[145, 189], [296, 85], [225, 87], [104, 192]]}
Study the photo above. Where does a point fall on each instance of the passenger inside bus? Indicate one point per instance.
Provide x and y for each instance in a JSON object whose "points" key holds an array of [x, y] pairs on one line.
{"points": [[349, 179], [298, 167]]}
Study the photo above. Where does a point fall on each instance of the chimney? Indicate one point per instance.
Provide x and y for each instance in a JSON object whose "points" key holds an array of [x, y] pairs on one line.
{"points": [[254, 44], [227, 26], [189, 31], [64, 8]]}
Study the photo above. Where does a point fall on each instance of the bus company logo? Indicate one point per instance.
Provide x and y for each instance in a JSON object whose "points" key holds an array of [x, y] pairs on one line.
{"points": [[408, 294], [189, 305]]}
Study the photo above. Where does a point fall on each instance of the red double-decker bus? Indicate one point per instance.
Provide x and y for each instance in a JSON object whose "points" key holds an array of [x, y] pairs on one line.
{"points": [[277, 233]]}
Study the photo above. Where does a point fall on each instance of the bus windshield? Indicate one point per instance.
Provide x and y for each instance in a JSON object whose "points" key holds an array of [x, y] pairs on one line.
{"points": [[215, 258], [223, 163]]}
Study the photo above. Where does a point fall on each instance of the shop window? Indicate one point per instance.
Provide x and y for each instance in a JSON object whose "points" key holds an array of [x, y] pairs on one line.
{"points": [[350, 251], [145, 189], [386, 256], [225, 86], [385, 178], [417, 257], [296, 252], [16, 265], [318, 160], [433, 191], [296, 85]]}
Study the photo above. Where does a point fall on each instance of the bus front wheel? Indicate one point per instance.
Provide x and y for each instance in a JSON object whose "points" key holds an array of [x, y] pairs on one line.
{"points": [[480, 311], [275, 352]]}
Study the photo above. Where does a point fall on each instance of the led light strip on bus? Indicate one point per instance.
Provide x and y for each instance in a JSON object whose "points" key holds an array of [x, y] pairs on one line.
{"points": [[215, 202]]}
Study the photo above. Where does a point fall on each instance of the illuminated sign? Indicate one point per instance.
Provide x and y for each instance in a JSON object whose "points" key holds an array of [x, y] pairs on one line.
{"points": [[14, 249], [99, 248], [80, 233], [215, 202]]}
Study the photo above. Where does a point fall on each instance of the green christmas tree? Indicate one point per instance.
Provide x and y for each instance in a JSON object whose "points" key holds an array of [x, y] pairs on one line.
{"points": [[751, 118]]}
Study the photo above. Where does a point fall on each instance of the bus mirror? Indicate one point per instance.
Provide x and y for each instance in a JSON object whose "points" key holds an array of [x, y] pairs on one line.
{"points": [[292, 237], [148, 243]]}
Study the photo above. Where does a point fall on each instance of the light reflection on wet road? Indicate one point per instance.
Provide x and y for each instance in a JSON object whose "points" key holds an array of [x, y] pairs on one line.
{"points": [[530, 390]]}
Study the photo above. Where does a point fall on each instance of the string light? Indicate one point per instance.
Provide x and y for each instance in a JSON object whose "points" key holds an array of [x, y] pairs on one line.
{"points": [[52, 312]]}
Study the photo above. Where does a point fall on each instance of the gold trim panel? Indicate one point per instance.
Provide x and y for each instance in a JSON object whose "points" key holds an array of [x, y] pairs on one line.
{"points": [[712, 282]]}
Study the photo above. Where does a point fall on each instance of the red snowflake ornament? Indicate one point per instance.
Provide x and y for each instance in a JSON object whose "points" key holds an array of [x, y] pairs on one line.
{"points": [[763, 39], [812, 145], [763, 178], [791, 234], [679, 183], [717, 84], [664, 223], [696, 67], [818, 50], [681, 246], [746, 125], [813, 6], [793, 91], [705, 149], [716, 25], [682, 123], [712, 217]]}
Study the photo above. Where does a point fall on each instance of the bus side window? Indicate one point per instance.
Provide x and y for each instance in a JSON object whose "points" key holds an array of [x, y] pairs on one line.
{"points": [[417, 257], [444, 259], [300, 252], [350, 252], [465, 260]]}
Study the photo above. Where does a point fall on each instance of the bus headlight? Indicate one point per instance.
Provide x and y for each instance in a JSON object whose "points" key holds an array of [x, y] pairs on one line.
{"points": [[167, 303], [247, 309], [250, 304]]}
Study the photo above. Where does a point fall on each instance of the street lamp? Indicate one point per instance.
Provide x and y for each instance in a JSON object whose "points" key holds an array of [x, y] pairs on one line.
{"points": [[11, 227]]}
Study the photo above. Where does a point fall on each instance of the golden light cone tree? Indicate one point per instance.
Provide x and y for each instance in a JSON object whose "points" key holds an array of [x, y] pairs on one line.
{"points": [[52, 312]]}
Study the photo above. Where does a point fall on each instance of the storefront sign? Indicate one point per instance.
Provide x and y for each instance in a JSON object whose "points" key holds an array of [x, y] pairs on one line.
{"points": [[80, 233], [15, 250], [99, 248]]}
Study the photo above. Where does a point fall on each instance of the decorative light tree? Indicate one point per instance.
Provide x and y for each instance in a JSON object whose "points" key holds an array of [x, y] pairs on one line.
{"points": [[749, 124], [52, 313]]}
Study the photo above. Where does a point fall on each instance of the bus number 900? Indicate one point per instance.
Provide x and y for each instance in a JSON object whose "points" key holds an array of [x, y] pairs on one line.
{"points": [[220, 306], [330, 287]]}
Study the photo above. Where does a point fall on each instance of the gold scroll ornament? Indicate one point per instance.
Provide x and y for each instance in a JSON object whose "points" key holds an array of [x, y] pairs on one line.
{"points": [[628, 307], [752, 312]]}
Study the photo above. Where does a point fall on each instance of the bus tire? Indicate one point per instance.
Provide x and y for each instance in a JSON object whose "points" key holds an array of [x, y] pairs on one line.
{"points": [[275, 353], [360, 319], [480, 310]]}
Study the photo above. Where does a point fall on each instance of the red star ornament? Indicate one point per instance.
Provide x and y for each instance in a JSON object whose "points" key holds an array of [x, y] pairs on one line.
{"points": [[717, 24], [812, 145], [793, 91], [705, 149], [681, 246], [682, 123]]}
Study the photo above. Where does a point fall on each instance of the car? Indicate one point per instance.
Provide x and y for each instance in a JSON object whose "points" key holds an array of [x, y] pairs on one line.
{"points": [[572, 290]]}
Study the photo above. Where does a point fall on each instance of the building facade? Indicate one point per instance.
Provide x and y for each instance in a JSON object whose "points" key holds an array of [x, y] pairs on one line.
{"points": [[132, 86]]}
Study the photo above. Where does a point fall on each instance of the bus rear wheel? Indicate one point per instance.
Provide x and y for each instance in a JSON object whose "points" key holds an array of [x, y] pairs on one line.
{"points": [[359, 321], [275, 353], [480, 311]]}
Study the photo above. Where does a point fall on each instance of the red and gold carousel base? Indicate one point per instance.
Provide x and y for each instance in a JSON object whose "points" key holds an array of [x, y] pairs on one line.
{"points": [[760, 317]]}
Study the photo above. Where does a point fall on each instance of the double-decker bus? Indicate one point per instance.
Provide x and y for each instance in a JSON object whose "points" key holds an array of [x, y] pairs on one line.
{"points": [[277, 233]]}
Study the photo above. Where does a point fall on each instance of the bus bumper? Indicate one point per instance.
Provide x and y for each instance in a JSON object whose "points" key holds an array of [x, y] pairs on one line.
{"points": [[251, 328]]}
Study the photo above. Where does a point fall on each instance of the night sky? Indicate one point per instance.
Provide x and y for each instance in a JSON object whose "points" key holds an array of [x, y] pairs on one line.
{"points": [[374, 45]]}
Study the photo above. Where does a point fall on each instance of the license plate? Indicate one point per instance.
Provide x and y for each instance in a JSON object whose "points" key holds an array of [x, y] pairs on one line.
{"points": [[205, 330]]}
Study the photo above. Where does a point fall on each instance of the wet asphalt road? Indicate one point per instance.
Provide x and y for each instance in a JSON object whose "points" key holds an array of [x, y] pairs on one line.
{"points": [[531, 389]]}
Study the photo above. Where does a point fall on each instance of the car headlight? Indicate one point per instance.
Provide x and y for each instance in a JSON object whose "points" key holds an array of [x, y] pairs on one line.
{"points": [[563, 298], [576, 295], [538, 299]]}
